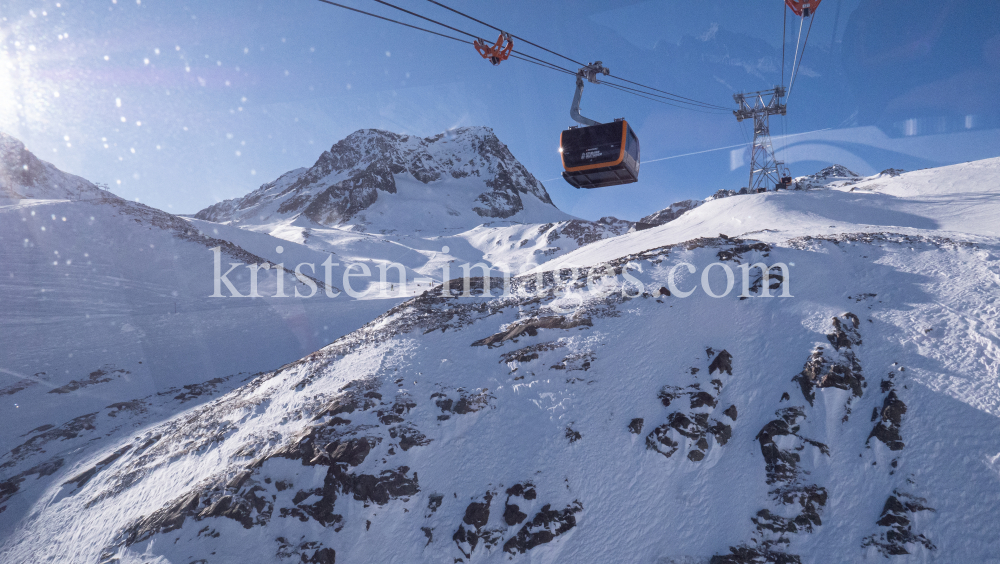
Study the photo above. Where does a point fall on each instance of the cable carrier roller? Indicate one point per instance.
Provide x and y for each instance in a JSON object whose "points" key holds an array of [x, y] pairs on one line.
{"points": [[597, 154]]}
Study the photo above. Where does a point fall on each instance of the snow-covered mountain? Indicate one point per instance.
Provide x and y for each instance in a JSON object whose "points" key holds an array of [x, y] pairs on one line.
{"points": [[107, 322], [596, 415], [381, 181], [377, 197]]}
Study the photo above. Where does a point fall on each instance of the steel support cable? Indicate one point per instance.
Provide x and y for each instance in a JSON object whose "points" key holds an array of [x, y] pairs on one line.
{"points": [[664, 100], [527, 58], [635, 92], [784, 122], [516, 54], [495, 28], [679, 98], [784, 24], [544, 64], [524, 56], [392, 20], [795, 70]]}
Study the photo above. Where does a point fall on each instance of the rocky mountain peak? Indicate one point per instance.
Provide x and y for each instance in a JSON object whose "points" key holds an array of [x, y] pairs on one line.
{"points": [[466, 170]]}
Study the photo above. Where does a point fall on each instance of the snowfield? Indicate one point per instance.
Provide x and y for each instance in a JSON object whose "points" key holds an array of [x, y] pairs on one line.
{"points": [[587, 416]]}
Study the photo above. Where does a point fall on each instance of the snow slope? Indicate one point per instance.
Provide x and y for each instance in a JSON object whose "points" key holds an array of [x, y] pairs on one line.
{"points": [[106, 302], [957, 200], [596, 419]]}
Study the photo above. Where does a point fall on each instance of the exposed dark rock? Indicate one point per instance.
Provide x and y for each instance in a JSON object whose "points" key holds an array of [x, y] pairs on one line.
{"points": [[730, 412], [409, 438], [434, 502], [836, 368], [586, 232], [754, 555], [896, 520], [572, 435], [525, 490], [380, 489], [531, 326], [845, 331], [69, 430], [513, 515], [477, 514], [530, 352], [667, 215], [887, 429], [287, 549], [722, 363], [701, 399], [96, 377], [635, 426], [85, 476], [467, 402], [544, 527], [782, 465], [12, 485]]}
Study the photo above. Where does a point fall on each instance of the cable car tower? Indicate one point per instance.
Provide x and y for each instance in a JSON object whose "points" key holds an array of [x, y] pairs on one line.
{"points": [[764, 167]]}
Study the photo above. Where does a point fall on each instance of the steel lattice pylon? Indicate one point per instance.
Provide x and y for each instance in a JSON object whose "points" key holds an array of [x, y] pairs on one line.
{"points": [[764, 167]]}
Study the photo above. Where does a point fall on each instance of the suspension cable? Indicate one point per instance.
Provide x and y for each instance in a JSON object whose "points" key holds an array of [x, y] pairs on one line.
{"points": [[390, 20], [500, 30], [784, 24], [679, 98], [642, 94], [692, 105], [524, 56], [795, 72]]}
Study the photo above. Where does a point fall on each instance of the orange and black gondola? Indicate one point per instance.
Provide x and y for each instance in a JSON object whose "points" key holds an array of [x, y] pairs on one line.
{"points": [[600, 155]]}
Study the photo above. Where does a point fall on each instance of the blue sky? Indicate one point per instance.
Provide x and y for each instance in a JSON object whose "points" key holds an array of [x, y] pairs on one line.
{"points": [[202, 101]]}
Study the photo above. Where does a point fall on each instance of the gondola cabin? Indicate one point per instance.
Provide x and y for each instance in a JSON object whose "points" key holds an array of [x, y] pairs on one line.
{"points": [[600, 155]]}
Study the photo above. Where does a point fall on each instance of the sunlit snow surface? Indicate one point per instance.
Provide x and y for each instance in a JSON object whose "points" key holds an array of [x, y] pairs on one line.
{"points": [[262, 472]]}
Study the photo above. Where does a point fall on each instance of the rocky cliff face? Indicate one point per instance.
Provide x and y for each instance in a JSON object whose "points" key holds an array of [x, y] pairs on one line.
{"points": [[23, 175], [467, 171]]}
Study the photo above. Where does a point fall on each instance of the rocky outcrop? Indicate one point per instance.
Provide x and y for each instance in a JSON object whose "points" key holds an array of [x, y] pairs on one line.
{"points": [[473, 527], [543, 528], [667, 214], [531, 326], [896, 521], [836, 365], [693, 424]]}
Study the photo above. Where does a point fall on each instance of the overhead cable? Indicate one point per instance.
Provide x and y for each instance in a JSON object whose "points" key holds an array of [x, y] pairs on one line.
{"points": [[679, 98], [795, 71]]}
